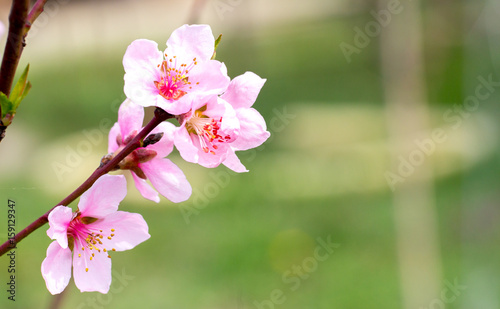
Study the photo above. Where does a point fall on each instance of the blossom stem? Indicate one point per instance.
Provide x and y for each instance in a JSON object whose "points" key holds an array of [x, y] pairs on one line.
{"points": [[35, 12], [159, 116], [19, 24], [14, 45]]}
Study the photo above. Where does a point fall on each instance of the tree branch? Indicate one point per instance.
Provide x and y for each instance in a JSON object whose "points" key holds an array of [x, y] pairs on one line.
{"points": [[19, 25], [159, 116], [14, 45]]}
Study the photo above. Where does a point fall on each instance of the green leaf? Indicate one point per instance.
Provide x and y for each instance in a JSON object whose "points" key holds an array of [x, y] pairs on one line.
{"points": [[6, 104], [216, 44], [21, 89]]}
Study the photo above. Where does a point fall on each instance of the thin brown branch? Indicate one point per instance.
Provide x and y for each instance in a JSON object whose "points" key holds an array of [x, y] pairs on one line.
{"points": [[35, 12], [159, 117], [14, 45], [19, 24]]}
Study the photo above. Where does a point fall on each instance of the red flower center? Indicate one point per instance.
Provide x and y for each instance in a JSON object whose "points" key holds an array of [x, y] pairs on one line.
{"points": [[174, 81], [207, 129]]}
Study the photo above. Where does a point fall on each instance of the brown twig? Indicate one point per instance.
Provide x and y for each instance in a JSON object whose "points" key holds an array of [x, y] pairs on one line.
{"points": [[14, 45], [19, 24], [35, 12], [159, 116]]}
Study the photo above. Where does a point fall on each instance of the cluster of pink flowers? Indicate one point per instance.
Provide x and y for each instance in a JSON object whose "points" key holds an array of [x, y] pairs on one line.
{"points": [[216, 119]]}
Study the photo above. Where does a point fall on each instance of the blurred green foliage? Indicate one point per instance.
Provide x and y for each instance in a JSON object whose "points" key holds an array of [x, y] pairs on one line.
{"points": [[221, 259]]}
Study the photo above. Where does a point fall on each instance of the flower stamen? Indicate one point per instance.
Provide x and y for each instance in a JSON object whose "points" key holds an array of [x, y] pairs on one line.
{"points": [[173, 78], [208, 131]]}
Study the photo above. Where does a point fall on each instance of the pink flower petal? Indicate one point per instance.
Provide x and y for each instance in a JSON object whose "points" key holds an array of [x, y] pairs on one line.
{"points": [[234, 163], [59, 219], [230, 124], [98, 276], [210, 160], [191, 41], [56, 268], [103, 197], [141, 62], [168, 179], [184, 144], [130, 229], [165, 146], [113, 133], [142, 55], [130, 117], [141, 88], [252, 129], [243, 90], [175, 107], [217, 108], [211, 76], [145, 189]]}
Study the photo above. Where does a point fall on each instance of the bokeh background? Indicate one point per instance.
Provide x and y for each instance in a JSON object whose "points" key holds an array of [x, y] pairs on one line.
{"points": [[384, 144]]}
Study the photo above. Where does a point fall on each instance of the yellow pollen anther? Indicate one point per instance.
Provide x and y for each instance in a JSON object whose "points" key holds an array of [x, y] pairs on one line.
{"points": [[79, 255], [109, 256], [104, 249], [113, 249], [83, 249], [86, 269], [109, 237], [91, 258], [112, 230], [93, 254], [112, 235]]}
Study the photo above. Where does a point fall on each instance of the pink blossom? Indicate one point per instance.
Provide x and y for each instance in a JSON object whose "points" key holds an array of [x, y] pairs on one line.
{"points": [[206, 132], [148, 163], [174, 79], [92, 232], [241, 95], [213, 130]]}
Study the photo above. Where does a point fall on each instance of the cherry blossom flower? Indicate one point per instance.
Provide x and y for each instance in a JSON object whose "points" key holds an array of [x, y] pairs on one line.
{"points": [[241, 95], [174, 79], [206, 132], [92, 232], [212, 131], [148, 162]]}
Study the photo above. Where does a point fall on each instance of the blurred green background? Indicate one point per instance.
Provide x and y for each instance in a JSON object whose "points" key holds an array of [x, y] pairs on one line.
{"points": [[340, 122]]}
